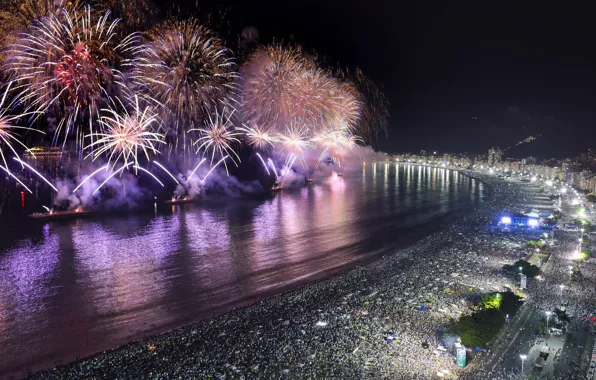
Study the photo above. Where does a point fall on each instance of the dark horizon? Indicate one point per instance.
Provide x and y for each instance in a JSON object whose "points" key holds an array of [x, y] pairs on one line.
{"points": [[460, 78]]}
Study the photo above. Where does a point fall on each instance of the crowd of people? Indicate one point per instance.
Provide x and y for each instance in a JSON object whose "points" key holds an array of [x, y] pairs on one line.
{"points": [[385, 319], [564, 287]]}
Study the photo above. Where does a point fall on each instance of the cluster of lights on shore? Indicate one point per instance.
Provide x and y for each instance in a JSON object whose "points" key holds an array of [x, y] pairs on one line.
{"points": [[533, 223], [575, 201]]}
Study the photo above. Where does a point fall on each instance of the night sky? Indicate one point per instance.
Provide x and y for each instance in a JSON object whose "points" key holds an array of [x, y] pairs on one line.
{"points": [[460, 77]]}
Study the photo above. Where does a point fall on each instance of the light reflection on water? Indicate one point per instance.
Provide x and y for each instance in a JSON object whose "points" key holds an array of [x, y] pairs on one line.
{"points": [[74, 288]]}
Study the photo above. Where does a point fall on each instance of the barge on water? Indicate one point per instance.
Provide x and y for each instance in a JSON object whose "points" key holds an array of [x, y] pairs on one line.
{"points": [[178, 201], [53, 215]]}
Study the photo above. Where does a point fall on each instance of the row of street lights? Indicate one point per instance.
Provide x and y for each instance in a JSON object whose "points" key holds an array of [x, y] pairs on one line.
{"points": [[561, 286], [548, 313], [524, 357]]}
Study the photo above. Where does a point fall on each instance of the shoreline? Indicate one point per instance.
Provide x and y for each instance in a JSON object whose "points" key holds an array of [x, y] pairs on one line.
{"points": [[290, 287], [290, 315], [383, 245], [407, 236], [312, 294], [281, 312]]}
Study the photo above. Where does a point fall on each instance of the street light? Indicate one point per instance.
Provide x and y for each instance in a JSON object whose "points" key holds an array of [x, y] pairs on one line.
{"points": [[561, 287], [523, 358]]}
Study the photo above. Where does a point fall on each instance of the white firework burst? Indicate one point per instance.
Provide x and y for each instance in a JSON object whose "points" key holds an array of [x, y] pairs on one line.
{"points": [[217, 138], [257, 137], [8, 129], [126, 135], [295, 139]]}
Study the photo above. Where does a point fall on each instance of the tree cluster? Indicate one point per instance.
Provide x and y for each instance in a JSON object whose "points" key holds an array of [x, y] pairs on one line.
{"points": [[478, 329]]}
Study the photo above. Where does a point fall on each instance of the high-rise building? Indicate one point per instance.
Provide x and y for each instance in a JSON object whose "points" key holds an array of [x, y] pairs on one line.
{"points": [[494, 156]]}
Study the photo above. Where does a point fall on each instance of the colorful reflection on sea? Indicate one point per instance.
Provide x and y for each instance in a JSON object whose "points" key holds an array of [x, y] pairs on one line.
{"points": [[70, 289]]}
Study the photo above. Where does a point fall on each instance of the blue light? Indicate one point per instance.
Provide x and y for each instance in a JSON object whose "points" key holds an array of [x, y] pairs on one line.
{"points": [[506, 220]]}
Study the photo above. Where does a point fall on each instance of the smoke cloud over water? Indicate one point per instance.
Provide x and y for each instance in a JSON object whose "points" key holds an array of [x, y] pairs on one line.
{"points": [[128, 191], [121, 191]]}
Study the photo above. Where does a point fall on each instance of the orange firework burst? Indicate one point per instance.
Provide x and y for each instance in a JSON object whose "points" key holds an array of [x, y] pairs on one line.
{"points": [[268, 93], [187, 69], [282, 86]]}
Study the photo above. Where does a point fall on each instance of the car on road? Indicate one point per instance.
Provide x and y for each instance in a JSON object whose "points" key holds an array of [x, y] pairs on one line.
{"points": [[555, 331]]}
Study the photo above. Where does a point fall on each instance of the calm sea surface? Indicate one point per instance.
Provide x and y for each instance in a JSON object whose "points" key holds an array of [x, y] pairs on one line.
{"points": [[74, 288]]}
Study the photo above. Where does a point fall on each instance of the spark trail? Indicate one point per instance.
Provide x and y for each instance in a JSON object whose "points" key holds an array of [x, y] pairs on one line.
{"points": [[151, 174], [112, 175], [273, 167], [264, 164], [16, 179], [214, 166], [166, 170], [89, 177], [36, 172], [195, 169]]}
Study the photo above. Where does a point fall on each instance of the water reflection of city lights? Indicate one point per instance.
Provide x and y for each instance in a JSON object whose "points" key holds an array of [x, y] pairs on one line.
{"points": [[173, 265]]}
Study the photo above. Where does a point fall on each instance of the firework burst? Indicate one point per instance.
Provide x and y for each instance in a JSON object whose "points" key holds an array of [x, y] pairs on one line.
{"points": [[126, 135], [374, 107], [337, 141], [268, 97], [346, 107], [217, 138], [257, 137], [295, 139], [187, 70], [18, 14], [66, 62], [281, 86], [8, 129], [314, 92]]}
